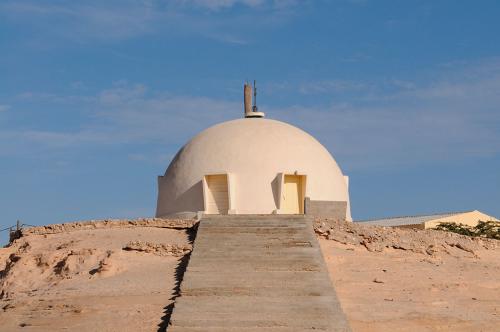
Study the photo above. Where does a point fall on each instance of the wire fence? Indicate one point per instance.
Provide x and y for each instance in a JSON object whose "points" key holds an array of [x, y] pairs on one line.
{"points": [[15, 230], [6, 229], [16, 227]]}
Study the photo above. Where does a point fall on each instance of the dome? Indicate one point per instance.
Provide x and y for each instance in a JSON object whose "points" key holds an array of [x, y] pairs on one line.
{"points": [[251, 163]]}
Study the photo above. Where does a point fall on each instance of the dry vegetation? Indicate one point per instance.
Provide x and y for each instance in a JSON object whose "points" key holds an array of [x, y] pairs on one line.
{"points": [[486, 229]]}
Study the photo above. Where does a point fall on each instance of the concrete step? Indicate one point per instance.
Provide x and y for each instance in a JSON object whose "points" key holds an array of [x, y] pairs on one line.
{"points": [[257, 231], [314, 323], [268, 288], [257, 278], [257, 260], [252, 251], [251, 318], [224, 240], [263, 249], [242, 311], [244, 329], [254, 241], [255, 224], [244, 267], [260, 247], [275, 291], [256, 216]]}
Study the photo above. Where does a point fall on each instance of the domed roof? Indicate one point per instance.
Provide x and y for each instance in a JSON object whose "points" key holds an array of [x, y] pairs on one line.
{"points": [[254, 151]]}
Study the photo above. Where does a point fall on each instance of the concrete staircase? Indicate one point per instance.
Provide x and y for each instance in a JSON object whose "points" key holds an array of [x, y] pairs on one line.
{"points": [[256, 273]]}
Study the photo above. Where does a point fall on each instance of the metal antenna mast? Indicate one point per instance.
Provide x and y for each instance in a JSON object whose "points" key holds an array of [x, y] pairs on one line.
{"points": [[254, 108]]}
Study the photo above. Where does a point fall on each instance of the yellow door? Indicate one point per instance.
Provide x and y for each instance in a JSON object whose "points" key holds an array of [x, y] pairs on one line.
{"points": [[292, 195], [217, 197]]}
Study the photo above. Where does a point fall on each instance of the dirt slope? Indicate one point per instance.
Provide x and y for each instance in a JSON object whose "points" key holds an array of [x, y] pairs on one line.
{"points": [[96, 276]]}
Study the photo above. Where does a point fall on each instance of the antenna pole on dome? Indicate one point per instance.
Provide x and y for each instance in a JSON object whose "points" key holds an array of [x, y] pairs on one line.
{"points": [[251, 111], [254, 108], [247, 95]]}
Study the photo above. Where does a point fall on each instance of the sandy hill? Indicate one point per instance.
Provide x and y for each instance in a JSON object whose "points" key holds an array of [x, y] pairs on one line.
{"points": [[124, 275]]}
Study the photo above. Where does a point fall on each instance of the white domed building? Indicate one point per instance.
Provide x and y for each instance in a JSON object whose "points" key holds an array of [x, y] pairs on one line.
{"points": [[253, 166]]}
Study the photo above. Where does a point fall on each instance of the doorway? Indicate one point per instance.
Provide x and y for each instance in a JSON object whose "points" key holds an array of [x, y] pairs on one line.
{"points": [[293, 194], [217, 197]]}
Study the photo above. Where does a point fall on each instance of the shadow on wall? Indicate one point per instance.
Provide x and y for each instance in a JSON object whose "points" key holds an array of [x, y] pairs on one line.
{"points": [[275, 186], [174, 160], [189, 201]]}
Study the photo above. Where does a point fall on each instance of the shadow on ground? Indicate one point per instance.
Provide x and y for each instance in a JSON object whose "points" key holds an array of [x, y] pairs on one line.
{"points": [[179, 275]]}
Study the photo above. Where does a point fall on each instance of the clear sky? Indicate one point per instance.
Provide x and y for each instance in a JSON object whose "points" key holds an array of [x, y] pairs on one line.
{"points": [[97, 96]]}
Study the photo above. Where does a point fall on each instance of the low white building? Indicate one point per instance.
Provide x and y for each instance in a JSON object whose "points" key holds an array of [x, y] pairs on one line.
{"points": [[253, 166], [469, 218]]}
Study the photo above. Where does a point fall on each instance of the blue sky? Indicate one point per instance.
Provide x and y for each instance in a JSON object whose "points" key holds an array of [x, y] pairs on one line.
{"points": [[97, 96]]}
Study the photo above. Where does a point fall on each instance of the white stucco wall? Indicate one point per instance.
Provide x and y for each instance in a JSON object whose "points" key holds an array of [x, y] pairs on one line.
{"points": [[254, 152]]}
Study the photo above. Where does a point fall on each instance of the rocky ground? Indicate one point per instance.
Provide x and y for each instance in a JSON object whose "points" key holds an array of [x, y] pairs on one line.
{"points": [[93, 276], [390, 279], [123, 275]]}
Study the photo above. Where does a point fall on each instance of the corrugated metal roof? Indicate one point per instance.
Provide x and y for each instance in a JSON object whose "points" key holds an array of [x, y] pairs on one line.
{"points": [[408, 220]]}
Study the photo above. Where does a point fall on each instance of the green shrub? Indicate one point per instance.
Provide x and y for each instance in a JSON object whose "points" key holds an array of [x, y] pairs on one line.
{"points": [[486, 229]]}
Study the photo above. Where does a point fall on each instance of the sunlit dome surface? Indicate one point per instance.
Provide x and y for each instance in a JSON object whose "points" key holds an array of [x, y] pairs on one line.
{"points": [[255, 154]]}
